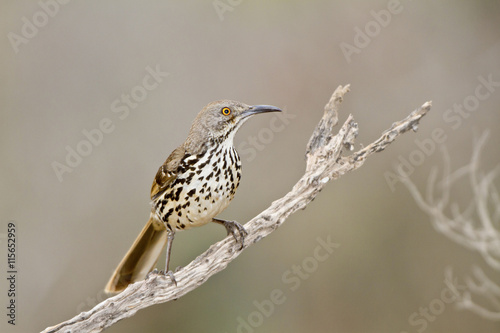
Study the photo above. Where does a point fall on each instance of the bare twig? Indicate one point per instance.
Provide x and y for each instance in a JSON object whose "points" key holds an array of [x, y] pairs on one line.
{"points": [[476, 227], [324, 163]]}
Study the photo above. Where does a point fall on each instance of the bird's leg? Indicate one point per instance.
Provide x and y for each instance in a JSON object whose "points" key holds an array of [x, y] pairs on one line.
{"points": [[234, 228], [170, 239]]}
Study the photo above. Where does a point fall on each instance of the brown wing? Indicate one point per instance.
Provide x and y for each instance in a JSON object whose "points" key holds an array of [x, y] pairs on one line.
{"points": [[167, 173]]}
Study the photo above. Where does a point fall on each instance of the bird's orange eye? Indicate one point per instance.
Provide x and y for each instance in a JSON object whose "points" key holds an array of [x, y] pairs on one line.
{"points": [[226, 111]]}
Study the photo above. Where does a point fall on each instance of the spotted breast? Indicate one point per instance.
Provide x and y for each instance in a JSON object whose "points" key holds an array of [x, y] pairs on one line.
{"points": [[204, 187]]}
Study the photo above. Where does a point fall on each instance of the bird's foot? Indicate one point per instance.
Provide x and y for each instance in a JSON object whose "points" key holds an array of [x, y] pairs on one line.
{"points": [[237, 230], [153, 272], [170, 274]]}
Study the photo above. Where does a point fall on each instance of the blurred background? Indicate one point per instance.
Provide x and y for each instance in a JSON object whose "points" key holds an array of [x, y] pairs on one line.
{"points": [[139, 72]]}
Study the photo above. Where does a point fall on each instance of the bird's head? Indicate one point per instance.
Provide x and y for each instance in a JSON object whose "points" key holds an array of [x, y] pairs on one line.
{"points": [[219, 121]]}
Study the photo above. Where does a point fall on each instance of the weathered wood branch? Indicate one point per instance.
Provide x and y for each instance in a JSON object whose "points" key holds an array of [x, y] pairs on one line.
{"points": [[474, 225], [324, 161]]}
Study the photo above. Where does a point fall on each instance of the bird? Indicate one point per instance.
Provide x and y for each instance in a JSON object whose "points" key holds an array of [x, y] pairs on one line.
{"points": [[196, 183]]}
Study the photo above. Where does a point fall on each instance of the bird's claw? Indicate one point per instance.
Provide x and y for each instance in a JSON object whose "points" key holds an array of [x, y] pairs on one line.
{"points": [[153, 272], [233, 228], [170, 274]]}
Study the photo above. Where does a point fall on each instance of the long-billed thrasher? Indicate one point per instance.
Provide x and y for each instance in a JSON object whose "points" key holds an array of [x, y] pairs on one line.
{"points": [[195, 184]]}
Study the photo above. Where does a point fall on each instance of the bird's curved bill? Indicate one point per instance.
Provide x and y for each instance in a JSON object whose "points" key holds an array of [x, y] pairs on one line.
{"points": [[260, 109]]}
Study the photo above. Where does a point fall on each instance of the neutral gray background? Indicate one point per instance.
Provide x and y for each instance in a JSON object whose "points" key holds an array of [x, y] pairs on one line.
{"points": [[390, 262]]}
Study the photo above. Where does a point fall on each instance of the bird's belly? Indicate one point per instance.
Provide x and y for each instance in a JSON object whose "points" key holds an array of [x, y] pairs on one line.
{"points": [[205, 210], [195, 202], [198, 209]]}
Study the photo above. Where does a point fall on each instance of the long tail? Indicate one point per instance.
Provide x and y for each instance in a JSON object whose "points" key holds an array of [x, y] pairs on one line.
{"points": [[140, 258]]}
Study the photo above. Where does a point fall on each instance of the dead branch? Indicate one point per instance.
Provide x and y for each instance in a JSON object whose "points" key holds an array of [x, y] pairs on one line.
{"points": [[325, 162], [475, 227]]}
